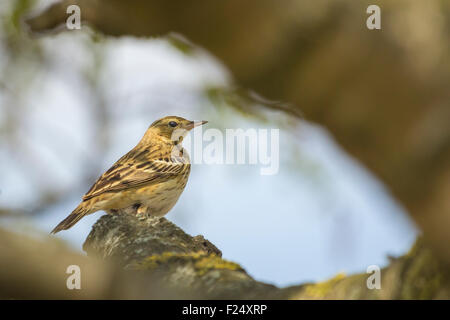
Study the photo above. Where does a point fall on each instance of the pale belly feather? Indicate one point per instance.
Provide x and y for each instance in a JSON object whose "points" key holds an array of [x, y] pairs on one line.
{"points": [[161, 198]]}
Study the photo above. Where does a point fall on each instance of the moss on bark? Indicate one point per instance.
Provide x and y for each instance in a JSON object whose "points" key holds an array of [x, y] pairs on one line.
{"points": [[193, 264]]}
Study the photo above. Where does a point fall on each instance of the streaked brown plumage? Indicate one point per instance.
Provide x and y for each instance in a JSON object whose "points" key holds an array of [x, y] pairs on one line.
{"points": [[150, 177]]}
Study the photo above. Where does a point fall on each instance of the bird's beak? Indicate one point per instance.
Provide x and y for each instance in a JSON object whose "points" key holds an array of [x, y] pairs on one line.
{"points": [[194, 124]]}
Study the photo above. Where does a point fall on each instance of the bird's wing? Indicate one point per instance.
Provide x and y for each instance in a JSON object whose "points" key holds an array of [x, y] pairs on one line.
{"points": [[134, 170]]}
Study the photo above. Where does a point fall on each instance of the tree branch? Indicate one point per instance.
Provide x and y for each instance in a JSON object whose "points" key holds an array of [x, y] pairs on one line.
{"points": [[154, 259]]}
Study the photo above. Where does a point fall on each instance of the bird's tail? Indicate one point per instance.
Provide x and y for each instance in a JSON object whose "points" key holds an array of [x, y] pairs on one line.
{"points": [[72, 218]]}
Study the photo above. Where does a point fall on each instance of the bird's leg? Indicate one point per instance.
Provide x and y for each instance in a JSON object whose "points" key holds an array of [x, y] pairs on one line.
{"points": [[142, 211]]}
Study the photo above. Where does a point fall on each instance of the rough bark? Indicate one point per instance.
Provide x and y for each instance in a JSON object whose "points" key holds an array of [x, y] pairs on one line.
{"points": [[193, 264], [184, 263], [131, 258]]}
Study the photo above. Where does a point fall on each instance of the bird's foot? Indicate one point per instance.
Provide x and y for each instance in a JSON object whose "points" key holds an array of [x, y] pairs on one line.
{"points": [[142, 213]]}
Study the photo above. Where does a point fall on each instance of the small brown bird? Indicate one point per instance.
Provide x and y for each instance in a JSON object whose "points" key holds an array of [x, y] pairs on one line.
{"points": [[150, 178]]}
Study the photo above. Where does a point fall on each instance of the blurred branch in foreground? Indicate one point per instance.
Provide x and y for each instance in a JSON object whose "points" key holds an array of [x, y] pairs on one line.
{"points": [[11, 212], [161, 261]]}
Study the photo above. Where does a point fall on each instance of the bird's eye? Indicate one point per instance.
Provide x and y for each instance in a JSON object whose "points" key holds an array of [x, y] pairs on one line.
{"points": [[173, 124]]}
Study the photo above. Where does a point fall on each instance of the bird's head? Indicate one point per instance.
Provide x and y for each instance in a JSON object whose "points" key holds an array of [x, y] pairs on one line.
{"points": [[173, 127]]}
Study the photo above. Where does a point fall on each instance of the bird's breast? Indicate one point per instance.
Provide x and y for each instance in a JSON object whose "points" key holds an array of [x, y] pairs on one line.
{"points": [[162, 197]]}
